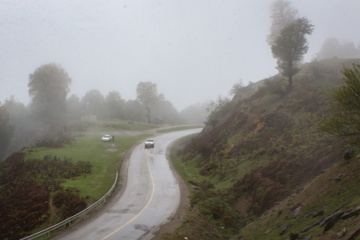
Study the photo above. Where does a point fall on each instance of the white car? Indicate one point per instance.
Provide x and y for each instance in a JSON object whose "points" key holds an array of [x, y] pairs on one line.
{"points": [[107, 138], [149, 143]]}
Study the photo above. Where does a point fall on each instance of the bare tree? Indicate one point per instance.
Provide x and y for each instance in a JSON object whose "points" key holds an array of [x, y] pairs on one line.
{"points": [[147, 95]]}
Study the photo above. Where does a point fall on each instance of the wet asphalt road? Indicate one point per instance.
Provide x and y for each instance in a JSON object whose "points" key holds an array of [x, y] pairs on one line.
{"points": [[150, 198]]}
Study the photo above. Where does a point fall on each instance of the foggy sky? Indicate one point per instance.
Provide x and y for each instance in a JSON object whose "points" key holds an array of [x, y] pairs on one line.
{"points": [[194, 50]]}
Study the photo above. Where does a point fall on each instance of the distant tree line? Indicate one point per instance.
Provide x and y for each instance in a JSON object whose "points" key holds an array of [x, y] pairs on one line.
{"points": [[333, 48], [47, 116]]}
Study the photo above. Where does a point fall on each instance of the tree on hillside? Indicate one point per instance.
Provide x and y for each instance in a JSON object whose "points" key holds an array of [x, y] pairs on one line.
{"points": [[345, 111], [236, 87], [147, 94], [290, 47], [48, 87], [332, 47], [6, 131], [282, 14], [218, 109]]}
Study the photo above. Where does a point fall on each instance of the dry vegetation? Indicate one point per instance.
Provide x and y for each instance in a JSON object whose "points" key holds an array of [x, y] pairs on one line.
{"points": [[28, 185]]}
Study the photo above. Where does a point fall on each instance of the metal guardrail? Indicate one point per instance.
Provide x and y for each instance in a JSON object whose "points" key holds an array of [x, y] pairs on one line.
{"points": [[76, 216]]}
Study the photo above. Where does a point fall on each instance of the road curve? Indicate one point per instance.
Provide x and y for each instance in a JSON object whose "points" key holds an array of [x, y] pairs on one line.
{"points": [[150, 198]]}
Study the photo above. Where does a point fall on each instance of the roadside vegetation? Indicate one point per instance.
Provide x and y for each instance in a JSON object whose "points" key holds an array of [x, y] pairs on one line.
{"points": [[209, 216], [43, 185]]}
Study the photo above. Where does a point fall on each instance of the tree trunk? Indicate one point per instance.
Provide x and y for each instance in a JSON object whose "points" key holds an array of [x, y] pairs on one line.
{"points": [[148, 114], [290, 84]]}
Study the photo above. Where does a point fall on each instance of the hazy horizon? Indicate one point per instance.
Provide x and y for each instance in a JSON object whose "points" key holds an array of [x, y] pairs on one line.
{"points": [[193, 50]]}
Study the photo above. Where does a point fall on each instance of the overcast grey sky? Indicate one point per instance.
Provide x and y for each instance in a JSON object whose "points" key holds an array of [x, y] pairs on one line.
{"points": [[195, 50]]}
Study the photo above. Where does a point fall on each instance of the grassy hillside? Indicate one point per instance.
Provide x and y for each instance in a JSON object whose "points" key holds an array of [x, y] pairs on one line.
{"points": [[263, 148]]}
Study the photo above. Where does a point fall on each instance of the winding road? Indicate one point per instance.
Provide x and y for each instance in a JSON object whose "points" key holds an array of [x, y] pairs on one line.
{"points": [[150, 198]]}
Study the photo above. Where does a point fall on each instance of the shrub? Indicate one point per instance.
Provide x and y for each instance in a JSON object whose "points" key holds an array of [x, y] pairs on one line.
{"points": [[345, 111], [275, 86]]}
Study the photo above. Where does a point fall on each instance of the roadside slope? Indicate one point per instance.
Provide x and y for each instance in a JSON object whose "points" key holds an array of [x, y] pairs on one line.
{"points": [[318, 210], [260, 150]]}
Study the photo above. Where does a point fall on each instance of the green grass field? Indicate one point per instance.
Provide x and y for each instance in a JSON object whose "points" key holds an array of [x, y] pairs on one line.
{"points": [[105, 157]]}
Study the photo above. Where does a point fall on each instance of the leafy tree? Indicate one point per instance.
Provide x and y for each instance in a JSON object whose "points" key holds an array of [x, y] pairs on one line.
{"points": [[6, 131], [236, 87], [282, 14], [164, 111], [147, 95], [24, 127], [218, 109], [48, 87], [134, 111], [74, 107], [93, 103], [290, 47], [345, 111], [115, 105]]}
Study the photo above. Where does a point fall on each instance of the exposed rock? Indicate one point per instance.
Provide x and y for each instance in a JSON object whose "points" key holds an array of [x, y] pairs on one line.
{"points": [[268, 231], [313, 225], [297, 211], [353, 212], [330, 221], [318, 213], [284, 230], [308, 237], [296, 206], [341, 233]]}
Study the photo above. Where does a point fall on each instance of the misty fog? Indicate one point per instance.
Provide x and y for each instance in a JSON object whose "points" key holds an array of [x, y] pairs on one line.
{"points": [[193, 51], [196, 53]]}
